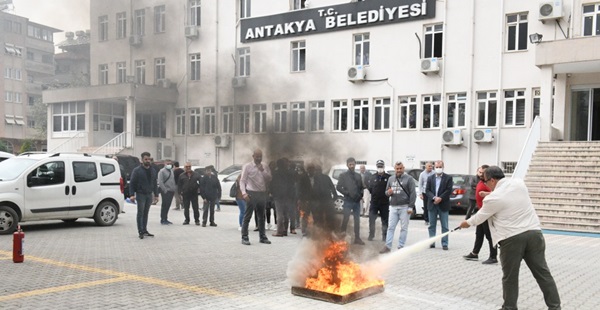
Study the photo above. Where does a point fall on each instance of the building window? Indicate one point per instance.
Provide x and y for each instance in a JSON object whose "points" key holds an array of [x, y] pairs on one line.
{"points": [[195, 118], [139, 26], [17, 73], [227, 120], [150, 125], [108, 117], [280, 117], [299, 4], [456, 110], [210, 121], [360, 108], [159, 19], [509, 166], [121, 25], [537, 99], [245, 6], [591, 24], [195, 13], [121, 72], [243, 61], [516, 32], [260, 118], [30, 56], [140, 71], [180, 121], [8, 96], [408, 112], [7, 73], [30, 122], [317, 116], [18, 98], [68, 116], [243, 112], [434, 37], [195, 67], [362, 47], [514, 108], [298, 117], [103, 28], [487, 103], [382, 114], [340, 115], [298, 56], [159, 69], [103, 74], [31, 100], [431, 111]]}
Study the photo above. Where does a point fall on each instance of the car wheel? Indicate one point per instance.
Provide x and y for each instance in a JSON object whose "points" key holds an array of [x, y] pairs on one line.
{"points": [[339, 204], [69, 221], [106, 213], [9, 220]]}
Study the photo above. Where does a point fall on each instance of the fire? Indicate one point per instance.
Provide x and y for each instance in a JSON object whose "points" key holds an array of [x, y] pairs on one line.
{"points": [[339, 276]]}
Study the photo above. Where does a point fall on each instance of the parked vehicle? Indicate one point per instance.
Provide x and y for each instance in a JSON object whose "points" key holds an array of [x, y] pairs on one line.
{"points": [[128, 163], [35, 187], [4, 156], [463, 186], [226, 184]]}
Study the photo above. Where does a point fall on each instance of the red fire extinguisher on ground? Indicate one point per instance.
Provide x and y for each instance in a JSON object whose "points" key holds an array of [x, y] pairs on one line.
{"points": [[18, 240]]}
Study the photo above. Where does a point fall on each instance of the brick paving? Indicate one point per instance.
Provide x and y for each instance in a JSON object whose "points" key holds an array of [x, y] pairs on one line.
{"points": [[83, 266]]}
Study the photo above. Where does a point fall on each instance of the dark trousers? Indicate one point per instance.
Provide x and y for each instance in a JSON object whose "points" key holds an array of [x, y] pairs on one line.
{"points": [[193, 199], [529, 246], [209, 207], [166, 199], [425, 212], [258, 202], [143, 207], [378, 209], [285, 208], [483, 230], [354, 208]]}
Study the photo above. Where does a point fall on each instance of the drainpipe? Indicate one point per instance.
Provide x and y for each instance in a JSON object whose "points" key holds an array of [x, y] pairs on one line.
{"points": [[393, 121], [500, 96], [217, 151], [472, 107], [443, 77]]}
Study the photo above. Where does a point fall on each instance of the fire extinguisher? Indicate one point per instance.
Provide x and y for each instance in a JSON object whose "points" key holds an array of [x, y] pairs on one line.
{"points": [[18, 240]]}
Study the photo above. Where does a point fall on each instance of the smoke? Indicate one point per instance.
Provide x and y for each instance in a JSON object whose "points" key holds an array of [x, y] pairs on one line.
{"points": [[306, 261]]}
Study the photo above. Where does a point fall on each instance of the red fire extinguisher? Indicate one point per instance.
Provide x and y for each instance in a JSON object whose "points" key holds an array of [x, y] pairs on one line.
{"points": [[18, 240]]}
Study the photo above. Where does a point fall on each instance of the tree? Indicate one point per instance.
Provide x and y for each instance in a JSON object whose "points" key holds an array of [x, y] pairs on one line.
{"points": [[39, 112], [26, 146], [3, 147]]}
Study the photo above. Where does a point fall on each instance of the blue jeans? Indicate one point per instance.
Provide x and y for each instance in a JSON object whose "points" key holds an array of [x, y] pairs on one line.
{"points": [[143, 207], [434, 212], [354, 207], [242, 206], [397, 214]]}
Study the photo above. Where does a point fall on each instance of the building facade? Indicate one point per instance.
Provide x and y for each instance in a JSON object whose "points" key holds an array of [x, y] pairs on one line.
{"points": [[408, 80]]}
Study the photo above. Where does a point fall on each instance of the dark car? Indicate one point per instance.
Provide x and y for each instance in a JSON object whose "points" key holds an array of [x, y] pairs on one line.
{"points": [[464, 185], [127, 163]]}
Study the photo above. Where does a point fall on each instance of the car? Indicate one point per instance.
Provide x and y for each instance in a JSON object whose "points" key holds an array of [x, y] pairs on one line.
{"points": [[226, 184], [463, 186], [4, 156], [36, 187]]}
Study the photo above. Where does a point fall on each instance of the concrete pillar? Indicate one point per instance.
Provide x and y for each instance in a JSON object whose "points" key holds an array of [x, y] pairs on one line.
{"points": [[130, 121], [547, 83]]}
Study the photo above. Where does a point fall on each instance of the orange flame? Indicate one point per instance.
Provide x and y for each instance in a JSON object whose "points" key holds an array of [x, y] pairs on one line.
{"points": [[339, 276]]}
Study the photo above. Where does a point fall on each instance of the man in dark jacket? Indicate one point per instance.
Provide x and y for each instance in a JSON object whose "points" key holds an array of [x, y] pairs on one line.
{"points": [[210, 190], [438, 191], [380, 202], [350, 184], [188, 186], [283, 193], [142, 185], [316, 196]]}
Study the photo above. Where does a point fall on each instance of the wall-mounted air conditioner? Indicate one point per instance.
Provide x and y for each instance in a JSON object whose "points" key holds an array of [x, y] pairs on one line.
{"points": [[191, 32], [430, 65], [238, 82], [550, 9], [452, 137], [164, 83], [356, 73], [483, 136], [165, 150], [135, 40], [221, 141]]}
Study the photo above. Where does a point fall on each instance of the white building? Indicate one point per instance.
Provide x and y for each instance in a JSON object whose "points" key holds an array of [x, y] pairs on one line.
{"points": [[404, 80]]}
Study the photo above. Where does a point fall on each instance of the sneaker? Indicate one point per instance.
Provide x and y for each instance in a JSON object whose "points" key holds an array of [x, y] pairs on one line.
{"points": [[213, 224], [400, 247], [445, 248], [359, 242], [269, 226], [490, 261], [471, 256], [432, 246], [265, 241], [186, 223], [218, 210], [385, 250], [141, 235], [203, 224], [370, 238], [198, 224], [245, 242], [293, 231], [240, 228], [148, 234]]}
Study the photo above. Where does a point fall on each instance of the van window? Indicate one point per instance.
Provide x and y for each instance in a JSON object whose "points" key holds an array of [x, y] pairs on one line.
{"points": [[84, 171], [107, 169], [47, 174]]}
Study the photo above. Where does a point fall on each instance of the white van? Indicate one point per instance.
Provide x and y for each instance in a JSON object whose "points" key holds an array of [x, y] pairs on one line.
{"points": [[4, 156], [35, 187]]}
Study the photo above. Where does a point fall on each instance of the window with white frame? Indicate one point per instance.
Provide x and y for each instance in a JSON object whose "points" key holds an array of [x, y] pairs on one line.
{"points": [[18, 97], [103, 74], [121, 72], [456, 110], [243, 118], [382, 113], [195, 118], [299, 4], [298, 56], [140, 71], [243, 61], [431, 111], [30, 122], [298, 117], [408, 112], [7, 73], [260, 118], [121, 25], [340, 115], [195, 67], [434, 38], [210, 121], [514, 108], [317, 116], [103, 28], [139, 26], [245, 8], [17, 74], [537, 99], [68, 116], [487, 104], [159, 69], [180, 121], [280, 113], [360, 110], [108, 117], [8, 96], [516, 32], [591, 19], [195, 11], [159, 19], [362, 46], [227, 116]]}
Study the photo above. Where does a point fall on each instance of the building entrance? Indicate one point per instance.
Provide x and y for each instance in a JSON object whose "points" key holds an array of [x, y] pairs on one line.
{"points": [[585, 115]]}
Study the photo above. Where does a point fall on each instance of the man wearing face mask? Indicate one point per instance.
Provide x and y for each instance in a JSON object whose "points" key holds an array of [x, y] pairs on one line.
{"points": [[380, 202], [437, 191], [167, 186], [142, 186]]}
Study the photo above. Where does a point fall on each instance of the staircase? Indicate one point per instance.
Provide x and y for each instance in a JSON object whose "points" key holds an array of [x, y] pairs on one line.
{"points": [[564, 184]]}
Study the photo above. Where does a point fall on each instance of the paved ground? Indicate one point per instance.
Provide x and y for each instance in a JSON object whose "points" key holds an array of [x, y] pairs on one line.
{"points": [[82, 266]]}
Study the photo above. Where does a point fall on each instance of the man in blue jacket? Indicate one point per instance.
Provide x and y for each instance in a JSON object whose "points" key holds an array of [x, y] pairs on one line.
{"points": [[438, 191], [143, 186]]}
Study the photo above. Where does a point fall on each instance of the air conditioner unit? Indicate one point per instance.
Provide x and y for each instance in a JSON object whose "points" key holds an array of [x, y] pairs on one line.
{"points": [[165, 150], [429, 65], [238, 82], [164, 83], [552, 9], [191, 32], [222, 141], [483, 135], [135, 40], [452, 137], [356, 73]]}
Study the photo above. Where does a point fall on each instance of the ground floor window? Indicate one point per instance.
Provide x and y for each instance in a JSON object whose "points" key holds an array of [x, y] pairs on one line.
{"points": [[150, 125], [68, 116]]}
